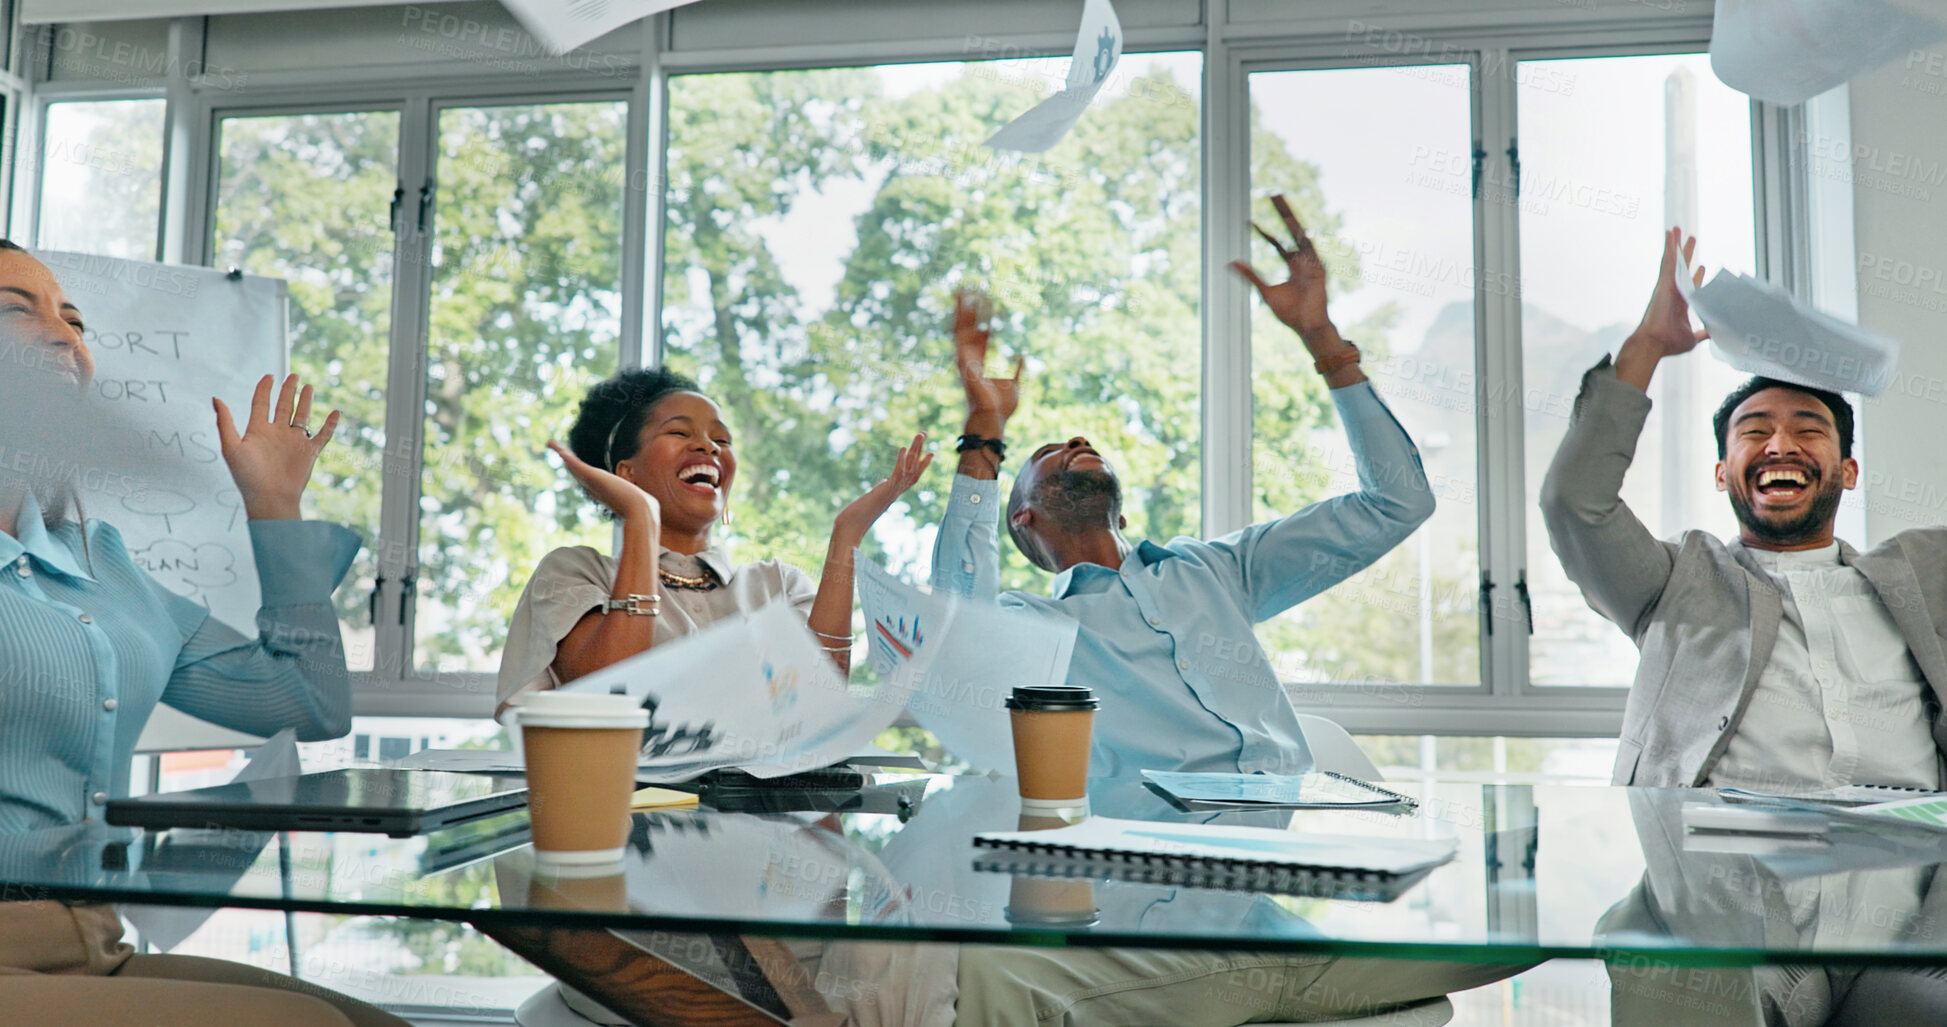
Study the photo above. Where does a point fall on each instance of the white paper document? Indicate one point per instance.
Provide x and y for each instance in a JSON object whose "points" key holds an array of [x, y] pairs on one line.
{"points": [[1788, 51], [752, 692], [1757, 327], [961, 659], [562, 25], [1097, 49]]}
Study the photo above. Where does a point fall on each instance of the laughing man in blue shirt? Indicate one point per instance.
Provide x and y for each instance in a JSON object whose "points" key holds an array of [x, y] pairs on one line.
{"points": [[1166, 631]]}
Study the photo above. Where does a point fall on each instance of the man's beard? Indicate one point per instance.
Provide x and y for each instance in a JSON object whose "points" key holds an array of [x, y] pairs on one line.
{"points": [[1804, 527], [1079, 500]]}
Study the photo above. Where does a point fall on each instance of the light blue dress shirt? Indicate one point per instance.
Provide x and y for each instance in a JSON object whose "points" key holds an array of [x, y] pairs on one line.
{"points": [[1167, 640], [89, 643]]}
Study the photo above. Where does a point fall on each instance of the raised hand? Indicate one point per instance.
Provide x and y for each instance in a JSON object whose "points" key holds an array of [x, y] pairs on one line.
{"points": [[994, 396], [1666, 321], [619, 494], [271, 459], [858, 516], [1665, 329], [1299, 301]]}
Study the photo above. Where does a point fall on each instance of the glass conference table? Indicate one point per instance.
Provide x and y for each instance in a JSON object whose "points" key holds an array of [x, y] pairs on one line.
{"points": [[1541, 872]]}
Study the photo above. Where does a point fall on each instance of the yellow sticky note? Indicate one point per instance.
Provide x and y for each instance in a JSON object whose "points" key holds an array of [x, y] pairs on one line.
{"points": [[658, 798]]}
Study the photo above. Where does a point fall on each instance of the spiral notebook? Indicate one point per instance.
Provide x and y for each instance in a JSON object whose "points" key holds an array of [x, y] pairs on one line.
{"points": [[1219, 856]]}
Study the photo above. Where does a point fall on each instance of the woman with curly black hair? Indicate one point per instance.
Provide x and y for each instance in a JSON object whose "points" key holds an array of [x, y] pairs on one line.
{"points": [[654, 451]]}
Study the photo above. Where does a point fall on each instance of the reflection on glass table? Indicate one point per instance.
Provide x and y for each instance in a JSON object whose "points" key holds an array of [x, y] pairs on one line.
{"points": [[1540, 872]]}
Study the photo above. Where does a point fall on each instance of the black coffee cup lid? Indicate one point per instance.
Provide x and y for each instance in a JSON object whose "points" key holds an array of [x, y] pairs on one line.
{"points": [[1052, 697]]}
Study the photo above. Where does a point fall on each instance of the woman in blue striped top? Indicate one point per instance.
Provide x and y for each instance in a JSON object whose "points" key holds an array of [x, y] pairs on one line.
{"points": [[89, 643]]}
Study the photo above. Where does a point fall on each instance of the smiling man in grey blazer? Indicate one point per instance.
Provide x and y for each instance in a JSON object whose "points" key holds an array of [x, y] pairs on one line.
{"points": [[1783, 660]]}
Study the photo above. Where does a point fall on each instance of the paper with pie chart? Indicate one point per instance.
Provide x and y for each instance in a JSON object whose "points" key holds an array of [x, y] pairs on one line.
{"points": [[959, 659], [1097, 49]]}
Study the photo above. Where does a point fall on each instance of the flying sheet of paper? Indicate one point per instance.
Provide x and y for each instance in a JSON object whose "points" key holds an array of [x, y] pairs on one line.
{"points": [[1788, 51], [562, 25], [165, 927], [1097, 49], [1757, 327], [946, 647], [753, 692]]}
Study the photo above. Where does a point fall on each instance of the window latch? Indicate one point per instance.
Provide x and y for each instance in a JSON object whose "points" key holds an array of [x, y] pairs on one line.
{"points": [[1514, 165], [1480, 163], [372, 601], [398, 197], [1527, 605], [426, 194], [408, 592], [1487, 600]]}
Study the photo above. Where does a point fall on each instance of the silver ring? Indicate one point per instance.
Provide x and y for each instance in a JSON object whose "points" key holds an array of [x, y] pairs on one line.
{"points": [[305, 428]]}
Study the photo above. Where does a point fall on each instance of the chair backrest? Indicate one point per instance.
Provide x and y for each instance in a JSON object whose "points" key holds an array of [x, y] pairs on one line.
{"points": [[1333, 749]]}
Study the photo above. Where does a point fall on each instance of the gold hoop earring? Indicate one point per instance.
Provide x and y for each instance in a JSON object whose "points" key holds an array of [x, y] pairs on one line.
{"points": [[726, 515]]}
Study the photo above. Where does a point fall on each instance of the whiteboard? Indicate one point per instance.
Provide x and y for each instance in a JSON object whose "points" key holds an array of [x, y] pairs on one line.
{"points": [[166, 338]]}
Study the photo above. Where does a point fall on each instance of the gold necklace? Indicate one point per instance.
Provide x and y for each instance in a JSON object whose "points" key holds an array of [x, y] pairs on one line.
{"points": [[699, 583]]}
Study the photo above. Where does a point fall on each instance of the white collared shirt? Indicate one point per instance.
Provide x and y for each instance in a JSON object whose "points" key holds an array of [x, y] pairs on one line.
{"points": [[1842, 701]]}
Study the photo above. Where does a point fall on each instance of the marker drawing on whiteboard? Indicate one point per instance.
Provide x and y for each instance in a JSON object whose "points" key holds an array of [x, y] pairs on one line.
{"points": [[231, 500], [159, 502], [190, 570]]}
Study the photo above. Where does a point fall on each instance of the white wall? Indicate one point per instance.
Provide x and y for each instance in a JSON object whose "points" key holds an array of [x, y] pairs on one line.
{"points": [[1899, 179]]}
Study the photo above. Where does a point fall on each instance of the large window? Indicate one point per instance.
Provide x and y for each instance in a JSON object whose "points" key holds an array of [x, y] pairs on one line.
{"points": [[468, 253], [307, 198], [818, 225], [101, 177], [526, 293], [1675, 149], [1375, 161]]}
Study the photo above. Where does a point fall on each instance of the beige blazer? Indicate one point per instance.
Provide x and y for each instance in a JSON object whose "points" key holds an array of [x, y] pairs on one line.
{"points": [[1704, 613]]}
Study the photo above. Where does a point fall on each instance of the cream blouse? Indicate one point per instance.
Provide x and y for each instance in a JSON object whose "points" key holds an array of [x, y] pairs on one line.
{"points": [[573, 580]]}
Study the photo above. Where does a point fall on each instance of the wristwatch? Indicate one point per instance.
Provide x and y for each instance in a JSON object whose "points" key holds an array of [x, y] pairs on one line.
{"points": [[635, 605]]}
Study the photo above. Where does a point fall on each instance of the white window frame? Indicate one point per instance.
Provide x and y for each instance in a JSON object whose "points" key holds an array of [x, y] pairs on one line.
{"points": [[1236, 37]]}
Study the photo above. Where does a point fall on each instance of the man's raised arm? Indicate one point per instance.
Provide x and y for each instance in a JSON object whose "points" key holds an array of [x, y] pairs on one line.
{"points": [[966, 553], [1620, 567], [1282, 563]]}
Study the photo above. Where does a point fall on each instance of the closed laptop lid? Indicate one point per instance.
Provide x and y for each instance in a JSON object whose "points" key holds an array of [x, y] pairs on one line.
{"points": [[375, 799]]}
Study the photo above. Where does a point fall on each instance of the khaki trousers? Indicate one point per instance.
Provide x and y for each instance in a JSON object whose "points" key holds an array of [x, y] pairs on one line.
{"points": [[64, 964], [1018, 986]]}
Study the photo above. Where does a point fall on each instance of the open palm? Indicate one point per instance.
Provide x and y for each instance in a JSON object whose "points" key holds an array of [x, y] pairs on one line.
{"points": [[858, 517]]}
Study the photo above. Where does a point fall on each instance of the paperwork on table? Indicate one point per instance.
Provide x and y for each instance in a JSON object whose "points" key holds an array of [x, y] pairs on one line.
{"points": [[1757, 327], [1098, 46], [1317, 789], [1925, 811], [1788, 51], [962, 658]]}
